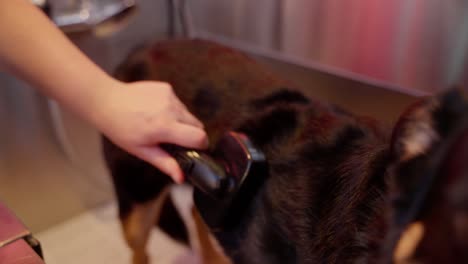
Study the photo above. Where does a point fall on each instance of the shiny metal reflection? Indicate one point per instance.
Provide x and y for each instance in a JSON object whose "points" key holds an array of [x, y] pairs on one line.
{"points": [[83, 15]]}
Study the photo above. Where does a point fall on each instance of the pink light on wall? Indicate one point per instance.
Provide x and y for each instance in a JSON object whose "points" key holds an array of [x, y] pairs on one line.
{"points": [[417, 44]]}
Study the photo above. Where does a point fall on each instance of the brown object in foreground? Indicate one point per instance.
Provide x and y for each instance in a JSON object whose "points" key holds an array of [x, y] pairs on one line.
{"points": [[14, 237]]}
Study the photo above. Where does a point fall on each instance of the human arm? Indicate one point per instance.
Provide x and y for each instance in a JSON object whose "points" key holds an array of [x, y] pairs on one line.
{"points": [[136, 116]]}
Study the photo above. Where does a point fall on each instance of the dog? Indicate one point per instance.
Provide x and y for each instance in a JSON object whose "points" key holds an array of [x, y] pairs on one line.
{"points": [[333, 177]]}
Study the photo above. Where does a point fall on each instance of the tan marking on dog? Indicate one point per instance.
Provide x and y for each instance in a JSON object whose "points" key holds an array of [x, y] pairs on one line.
{"points": [[210, 251], [137, 226], [408, 243]]}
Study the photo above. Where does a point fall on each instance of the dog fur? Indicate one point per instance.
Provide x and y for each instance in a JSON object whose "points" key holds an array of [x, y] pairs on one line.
{"points": [[326, 198]]}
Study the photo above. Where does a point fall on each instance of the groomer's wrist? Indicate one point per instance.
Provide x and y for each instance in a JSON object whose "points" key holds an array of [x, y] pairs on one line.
{"points": [[100, 103]]}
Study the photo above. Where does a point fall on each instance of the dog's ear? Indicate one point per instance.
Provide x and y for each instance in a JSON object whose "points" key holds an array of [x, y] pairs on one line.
{"points": [[417, 138], [427, 123], [424, 124]]}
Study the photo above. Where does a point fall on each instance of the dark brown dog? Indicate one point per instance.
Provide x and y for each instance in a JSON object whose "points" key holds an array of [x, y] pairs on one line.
{"points": [[326, 197]]}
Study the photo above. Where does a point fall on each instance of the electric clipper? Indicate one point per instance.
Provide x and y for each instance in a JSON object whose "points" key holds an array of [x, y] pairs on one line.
{"points": [[225, 180]]}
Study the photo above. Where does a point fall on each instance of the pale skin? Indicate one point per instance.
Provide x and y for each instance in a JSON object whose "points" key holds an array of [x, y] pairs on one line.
{"points": [[136, 116]]}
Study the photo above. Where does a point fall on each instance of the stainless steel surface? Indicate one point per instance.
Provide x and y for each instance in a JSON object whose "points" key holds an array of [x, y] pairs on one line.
{"points": [[419, 45], [37, 180], [81, 15]]}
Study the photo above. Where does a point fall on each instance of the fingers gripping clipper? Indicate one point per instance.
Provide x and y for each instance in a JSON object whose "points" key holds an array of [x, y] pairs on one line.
{"points": [[225, 180]]}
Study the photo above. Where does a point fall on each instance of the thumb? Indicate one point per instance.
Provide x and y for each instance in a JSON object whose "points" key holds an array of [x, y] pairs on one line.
{"points": [[163, 161]]}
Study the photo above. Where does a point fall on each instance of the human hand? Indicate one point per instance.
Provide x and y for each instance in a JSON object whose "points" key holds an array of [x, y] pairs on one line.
{"points": [[139, 116]]}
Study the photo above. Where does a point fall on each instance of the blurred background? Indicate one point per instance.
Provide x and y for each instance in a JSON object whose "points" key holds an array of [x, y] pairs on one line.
{"points": [[419, 45], [372, 57]]}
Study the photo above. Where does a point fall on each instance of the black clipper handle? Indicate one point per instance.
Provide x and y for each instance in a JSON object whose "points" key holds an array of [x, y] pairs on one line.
{"points": [[201, 171]]}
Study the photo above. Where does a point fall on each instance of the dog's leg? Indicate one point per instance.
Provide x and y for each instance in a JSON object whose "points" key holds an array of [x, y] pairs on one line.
{"points": [[210, 251], [408, 243], [137, 226]]}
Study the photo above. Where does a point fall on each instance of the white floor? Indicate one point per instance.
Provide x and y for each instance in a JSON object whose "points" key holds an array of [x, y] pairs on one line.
{"points": [[95, 237]]}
